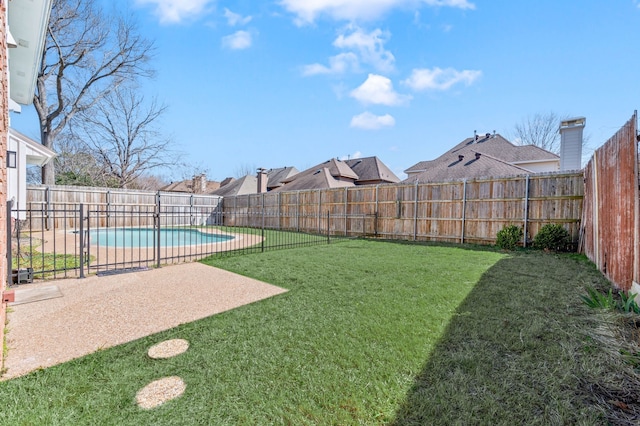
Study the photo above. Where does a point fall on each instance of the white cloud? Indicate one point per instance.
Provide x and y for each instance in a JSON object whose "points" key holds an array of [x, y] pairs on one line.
{"points": [[234, 19], [353, 156], [238, 40], [171, 11], [307, 11], [338, 64], [378, 90], [440, 79], [362, 48], [369, 121], [370, 47]]}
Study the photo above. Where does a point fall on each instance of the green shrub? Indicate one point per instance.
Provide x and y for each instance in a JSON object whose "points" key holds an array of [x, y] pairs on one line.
{"points": [[595, 299], [628, 303], [509, 237], [552, 237]]}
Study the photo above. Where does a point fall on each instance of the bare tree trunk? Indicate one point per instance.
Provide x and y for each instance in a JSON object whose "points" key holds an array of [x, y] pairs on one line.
{"points": [[48, 170]]}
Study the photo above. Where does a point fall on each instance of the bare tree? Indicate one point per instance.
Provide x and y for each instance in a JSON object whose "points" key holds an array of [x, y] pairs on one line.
{"points": [[540, 129], [86, 55], [75, 164], [245, 169], [121, 133], [149, 182], [543, 130]]}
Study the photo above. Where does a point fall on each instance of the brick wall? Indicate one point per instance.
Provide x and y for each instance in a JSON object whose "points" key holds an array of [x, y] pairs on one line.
{"points": [[4, 129]]}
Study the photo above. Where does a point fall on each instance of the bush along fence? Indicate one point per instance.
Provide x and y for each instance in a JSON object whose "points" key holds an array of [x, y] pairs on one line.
{"points": [[63, 239], [468, 211]]}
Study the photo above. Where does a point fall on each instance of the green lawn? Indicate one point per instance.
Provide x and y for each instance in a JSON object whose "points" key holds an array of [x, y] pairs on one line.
{"points": [[369, 333]]}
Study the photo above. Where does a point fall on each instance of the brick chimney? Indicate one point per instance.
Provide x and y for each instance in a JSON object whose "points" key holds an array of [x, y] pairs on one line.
{"points": [[571, 143], [262, 180]]}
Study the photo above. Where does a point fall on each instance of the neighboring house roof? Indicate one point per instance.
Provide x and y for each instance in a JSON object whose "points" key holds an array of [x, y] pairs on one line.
{"points": [[36, 153], [245, 185], [337, 168], [336, 173], [497, 157], [371, 170], [187, 186], [276, 176], [321, 178], [419, 167], [468, 167], [227, 181]]}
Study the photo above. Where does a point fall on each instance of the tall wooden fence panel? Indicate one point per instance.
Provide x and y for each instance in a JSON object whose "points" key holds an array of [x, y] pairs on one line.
{"points": [[192, 209], [457, 211], [610, 216]]}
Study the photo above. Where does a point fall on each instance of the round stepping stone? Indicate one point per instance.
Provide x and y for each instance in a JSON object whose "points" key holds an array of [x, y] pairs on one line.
{"points": [[168, 348], [160, 391]]}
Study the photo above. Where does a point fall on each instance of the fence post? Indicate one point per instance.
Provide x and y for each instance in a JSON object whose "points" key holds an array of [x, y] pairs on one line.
{"points": [[9, 259], [82, 241], [415, 214], [526, 211], [328, 240], [375, 223], [346, 207], [595, 210], [298, 212], [108, 195], [263, 219], [464, 208], [157, 230], [47, 202], [191, 215], [319, 211]]}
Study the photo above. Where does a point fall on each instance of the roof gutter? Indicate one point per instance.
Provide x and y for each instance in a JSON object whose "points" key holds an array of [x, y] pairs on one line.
{"points": [[28, 20]]}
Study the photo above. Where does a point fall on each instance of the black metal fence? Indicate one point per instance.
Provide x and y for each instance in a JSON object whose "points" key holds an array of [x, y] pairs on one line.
{"points": [[73, 240]]}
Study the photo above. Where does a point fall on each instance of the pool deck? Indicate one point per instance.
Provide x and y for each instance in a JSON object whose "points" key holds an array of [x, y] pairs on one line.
{"points": [[57, 321]]}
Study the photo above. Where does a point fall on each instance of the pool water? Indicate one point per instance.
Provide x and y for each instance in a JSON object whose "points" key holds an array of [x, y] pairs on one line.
{"points": [[145, 237]]}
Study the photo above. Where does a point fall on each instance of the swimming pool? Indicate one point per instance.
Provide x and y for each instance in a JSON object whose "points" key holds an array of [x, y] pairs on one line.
{"points": [[145, 237]]}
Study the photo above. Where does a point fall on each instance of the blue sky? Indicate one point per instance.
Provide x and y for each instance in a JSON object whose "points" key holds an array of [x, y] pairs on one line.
{"points": [[297, 82]]}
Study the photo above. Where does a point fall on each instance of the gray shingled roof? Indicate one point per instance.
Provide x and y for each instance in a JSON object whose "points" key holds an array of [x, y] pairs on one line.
{"points": [[498, 157], [187, 186], [321, 178], [338, 169], [245, 185], [276, 176], [468, 167], [371, 169], [419, 167]]}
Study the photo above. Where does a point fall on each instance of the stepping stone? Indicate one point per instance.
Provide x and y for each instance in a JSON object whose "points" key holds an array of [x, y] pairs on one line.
{"points": [[168, 348], [160, 391]]}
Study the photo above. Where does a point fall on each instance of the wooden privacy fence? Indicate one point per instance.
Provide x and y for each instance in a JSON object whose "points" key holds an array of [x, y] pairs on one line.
{"points": [[611, 211], [195, 209], [457, 211]]}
